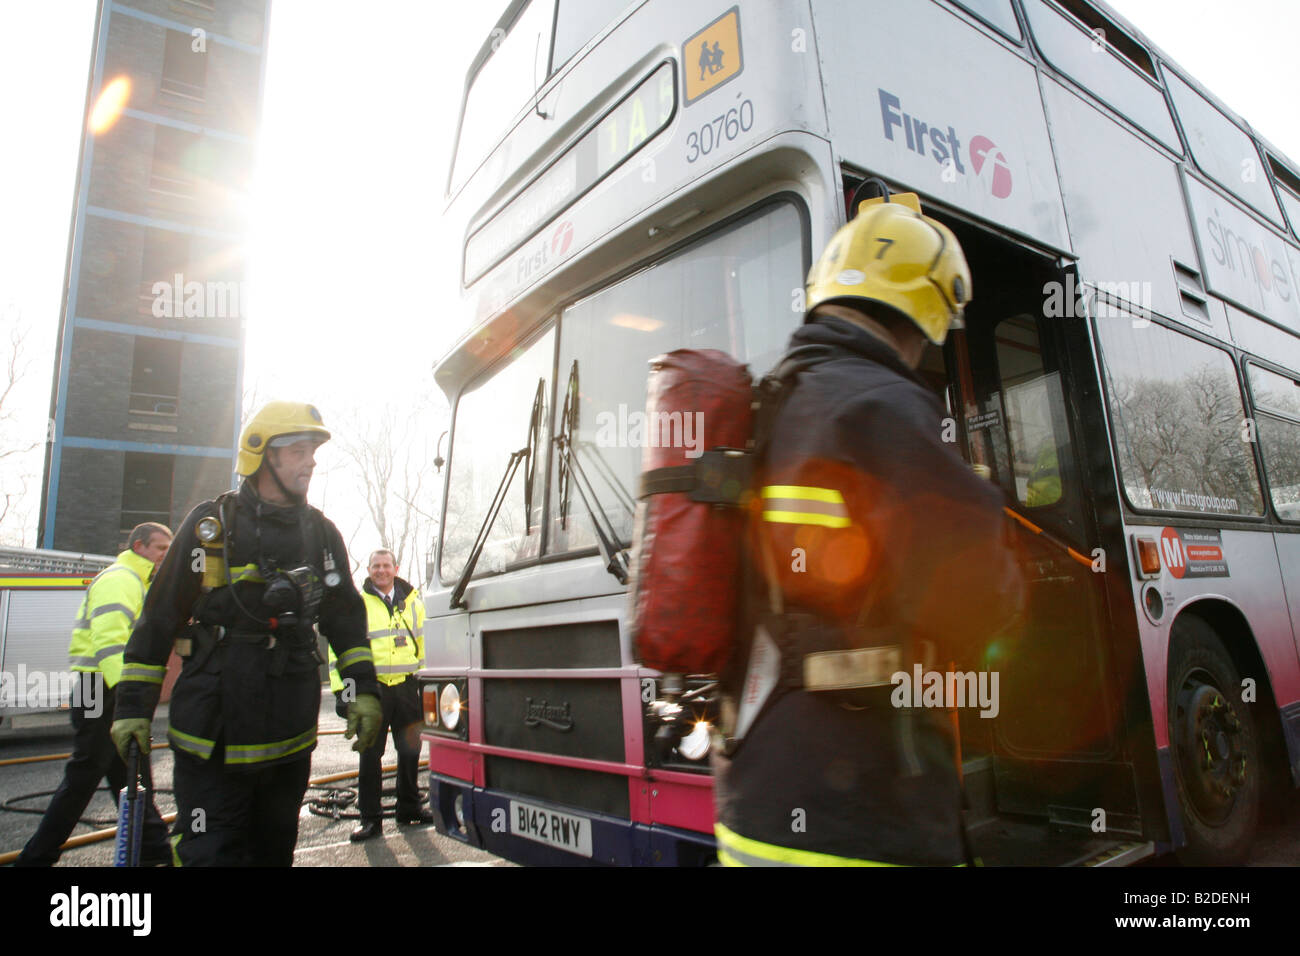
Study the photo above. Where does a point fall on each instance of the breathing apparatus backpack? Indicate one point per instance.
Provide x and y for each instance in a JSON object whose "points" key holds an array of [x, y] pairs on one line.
{"points": [[688, 543], [291, 596]]}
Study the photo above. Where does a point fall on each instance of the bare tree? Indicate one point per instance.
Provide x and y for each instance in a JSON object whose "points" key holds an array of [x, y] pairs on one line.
{"points": [[390, 455], [19, 434]]}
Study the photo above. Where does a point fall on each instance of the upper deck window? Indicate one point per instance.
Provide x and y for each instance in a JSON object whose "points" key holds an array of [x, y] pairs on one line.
{"points": [[1098, 61], [577, 21], [1103, 27], [509, 69], [1222, 149], [996, 13], [1289, 191]]}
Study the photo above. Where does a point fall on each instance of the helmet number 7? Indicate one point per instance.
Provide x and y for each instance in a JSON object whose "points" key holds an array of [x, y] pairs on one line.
{"points": [[886, 243]]}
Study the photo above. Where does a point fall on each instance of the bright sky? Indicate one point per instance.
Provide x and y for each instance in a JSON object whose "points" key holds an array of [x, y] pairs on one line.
{"points": [[347, 264]]}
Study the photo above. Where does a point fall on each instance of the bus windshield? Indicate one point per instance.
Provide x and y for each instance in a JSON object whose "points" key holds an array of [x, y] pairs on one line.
{"points": [[735, 290], [731, 291]]}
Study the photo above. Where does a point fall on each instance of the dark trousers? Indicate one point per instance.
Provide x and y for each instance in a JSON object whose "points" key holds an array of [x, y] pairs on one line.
{"points": [[94, 758], [401, 714], [237, 817]]}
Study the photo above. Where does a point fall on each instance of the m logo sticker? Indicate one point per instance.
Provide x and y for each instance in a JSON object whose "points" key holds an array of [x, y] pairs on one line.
{"points": [[1193, 553], [713, 56]]}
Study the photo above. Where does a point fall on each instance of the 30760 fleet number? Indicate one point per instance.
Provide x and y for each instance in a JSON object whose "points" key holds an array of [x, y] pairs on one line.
{"points": [[720, 129]]}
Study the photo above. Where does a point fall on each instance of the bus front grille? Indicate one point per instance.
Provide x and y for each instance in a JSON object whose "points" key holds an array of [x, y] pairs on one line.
{"points": [[570, 718], [582, 789], [584, 644]]}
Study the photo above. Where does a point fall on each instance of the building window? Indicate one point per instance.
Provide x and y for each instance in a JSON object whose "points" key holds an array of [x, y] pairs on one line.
{"points": [[155, 376], [166, 256], [185, 72], [146, 489], [175, 159]]}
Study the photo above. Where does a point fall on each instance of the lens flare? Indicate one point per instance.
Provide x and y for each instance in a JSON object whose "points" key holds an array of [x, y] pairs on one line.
{"points": [[112, 100]]}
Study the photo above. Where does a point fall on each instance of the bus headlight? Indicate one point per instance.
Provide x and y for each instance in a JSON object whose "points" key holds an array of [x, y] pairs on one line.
{"points": [[449, 706], [444, 704], [695, 745]]}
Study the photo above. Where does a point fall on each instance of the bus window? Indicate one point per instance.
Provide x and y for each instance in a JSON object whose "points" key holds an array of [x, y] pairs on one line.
{"points": [[1288, 190], [1277, 421], [1177, 417], [996, 13], [729, 291], [1035, 412], [515, 67], [1074, 51], [492, 420], [1221, 148], [576, 22]]}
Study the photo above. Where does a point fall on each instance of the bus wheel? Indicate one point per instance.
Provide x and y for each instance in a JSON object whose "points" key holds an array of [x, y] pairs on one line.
{"points": [[1215, 747]]}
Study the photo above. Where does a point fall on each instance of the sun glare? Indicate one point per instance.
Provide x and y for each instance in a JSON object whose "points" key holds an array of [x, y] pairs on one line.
{"points": [[112, 101]]}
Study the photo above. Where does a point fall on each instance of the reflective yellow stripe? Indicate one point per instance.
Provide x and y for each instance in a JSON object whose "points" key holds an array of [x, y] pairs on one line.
{"points": [[803, 504], [736, 850], [355, 655], [199, 746], [245, 572], [802, 517], [256, 753], [805, 492], [147, 673]]}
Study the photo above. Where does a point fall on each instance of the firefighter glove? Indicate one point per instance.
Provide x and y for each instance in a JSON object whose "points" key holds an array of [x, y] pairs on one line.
{"points": [[364, 716], [123, 731]]}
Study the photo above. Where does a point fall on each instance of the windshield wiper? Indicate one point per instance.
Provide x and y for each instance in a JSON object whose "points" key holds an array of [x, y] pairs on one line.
{"points": [[527, 453], [571, 474]]}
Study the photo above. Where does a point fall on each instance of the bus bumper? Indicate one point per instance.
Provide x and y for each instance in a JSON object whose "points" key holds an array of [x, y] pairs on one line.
{"points": [[487, 825]]}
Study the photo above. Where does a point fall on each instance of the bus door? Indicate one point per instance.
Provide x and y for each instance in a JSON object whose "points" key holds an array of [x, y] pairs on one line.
{"points": [[1056, 750]]}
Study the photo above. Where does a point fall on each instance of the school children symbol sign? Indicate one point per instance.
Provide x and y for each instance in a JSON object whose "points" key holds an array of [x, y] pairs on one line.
{"points": [[712, 56]]}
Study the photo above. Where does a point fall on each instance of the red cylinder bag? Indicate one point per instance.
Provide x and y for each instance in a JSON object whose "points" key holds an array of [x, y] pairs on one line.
{"points": [[689, 535]]}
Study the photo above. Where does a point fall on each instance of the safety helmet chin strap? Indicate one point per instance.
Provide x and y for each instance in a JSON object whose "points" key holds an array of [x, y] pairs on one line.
{"points": [[293, 497]]}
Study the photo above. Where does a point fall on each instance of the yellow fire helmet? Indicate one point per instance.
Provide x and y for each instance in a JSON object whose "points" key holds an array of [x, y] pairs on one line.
{"points": [[890, 253], [276, 420]]}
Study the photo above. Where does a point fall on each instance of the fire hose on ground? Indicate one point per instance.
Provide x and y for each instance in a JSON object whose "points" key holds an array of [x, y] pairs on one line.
{"points": [[334, 804]]}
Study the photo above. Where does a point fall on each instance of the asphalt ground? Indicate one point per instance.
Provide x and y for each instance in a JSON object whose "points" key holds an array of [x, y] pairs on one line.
{"points": [[322, 841]]}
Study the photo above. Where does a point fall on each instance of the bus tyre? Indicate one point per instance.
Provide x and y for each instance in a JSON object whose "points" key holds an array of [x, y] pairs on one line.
{"points": [[1214, 746]]}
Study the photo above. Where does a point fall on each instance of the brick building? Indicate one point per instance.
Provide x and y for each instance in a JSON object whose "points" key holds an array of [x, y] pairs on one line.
{"points": [[147, 384]]}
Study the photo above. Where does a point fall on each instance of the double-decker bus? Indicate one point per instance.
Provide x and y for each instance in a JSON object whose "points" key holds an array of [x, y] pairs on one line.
{"points": [[636, 177]]}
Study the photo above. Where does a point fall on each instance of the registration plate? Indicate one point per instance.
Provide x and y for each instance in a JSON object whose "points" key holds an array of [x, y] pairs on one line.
{"points": [[560, 830]]}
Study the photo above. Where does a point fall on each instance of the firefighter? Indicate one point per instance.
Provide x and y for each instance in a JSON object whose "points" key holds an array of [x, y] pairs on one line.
{"points": [[248, 576], [395, 617], [109, 609], [880, 549]]}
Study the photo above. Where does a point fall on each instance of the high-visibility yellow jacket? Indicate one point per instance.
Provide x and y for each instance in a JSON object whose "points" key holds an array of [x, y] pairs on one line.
{"points": [[396, 635], [108, 612]]}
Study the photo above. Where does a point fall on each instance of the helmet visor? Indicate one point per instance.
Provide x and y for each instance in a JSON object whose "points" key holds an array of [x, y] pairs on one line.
{"points": [[284, 441]]}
